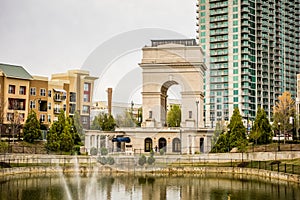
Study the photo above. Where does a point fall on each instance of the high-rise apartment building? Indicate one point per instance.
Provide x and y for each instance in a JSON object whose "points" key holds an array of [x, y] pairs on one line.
{"points": [[252, 54]]}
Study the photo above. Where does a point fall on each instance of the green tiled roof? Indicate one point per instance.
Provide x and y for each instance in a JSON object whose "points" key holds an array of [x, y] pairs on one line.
{"points": [[13, 71]]}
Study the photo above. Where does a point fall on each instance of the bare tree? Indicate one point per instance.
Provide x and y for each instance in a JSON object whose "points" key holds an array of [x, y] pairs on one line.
{"points": [[283, 110]]}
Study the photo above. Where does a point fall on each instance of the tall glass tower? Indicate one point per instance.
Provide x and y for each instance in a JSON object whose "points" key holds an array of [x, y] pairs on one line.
{"points": [[252, 54]]}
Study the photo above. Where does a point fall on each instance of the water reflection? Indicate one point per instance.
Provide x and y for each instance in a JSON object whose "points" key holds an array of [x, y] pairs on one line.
{"points": [[117, 187]]}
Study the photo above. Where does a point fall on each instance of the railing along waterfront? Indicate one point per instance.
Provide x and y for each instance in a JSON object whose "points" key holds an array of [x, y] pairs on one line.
{"points": [[131, 163]]}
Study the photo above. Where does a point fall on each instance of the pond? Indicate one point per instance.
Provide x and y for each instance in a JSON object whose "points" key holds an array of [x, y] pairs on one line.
{"points": [[148, 187]]}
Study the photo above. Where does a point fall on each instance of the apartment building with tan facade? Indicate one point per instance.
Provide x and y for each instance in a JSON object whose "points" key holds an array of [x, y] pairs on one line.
{"points": [[21, 92], [79, 86]]}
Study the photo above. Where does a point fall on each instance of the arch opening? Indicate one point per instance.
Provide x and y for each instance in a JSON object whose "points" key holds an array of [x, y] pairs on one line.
{"points": [[148, 144]]}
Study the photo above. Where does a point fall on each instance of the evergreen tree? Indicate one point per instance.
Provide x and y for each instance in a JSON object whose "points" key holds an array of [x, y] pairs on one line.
{"points": [[66, 138], [221, 146], [174, 116], [261, 132], [53, 139], [60, 134], [104, 122], [237, 130], [78, 125], [31, 128]]}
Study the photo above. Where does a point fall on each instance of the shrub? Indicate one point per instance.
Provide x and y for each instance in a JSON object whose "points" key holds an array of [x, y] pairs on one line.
{"points": [[110, 160], [93, 151], [151, 160], [151, 152], [102, 160], [161, 151], [103, 151], [142, 160]]}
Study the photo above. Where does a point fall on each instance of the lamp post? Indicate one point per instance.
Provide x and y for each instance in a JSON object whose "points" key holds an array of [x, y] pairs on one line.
{"points": [[197, 104], [279, 136], [180, 132]]}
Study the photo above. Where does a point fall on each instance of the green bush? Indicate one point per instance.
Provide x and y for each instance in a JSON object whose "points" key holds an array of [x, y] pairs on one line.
{"points": [[102, 160], [103, 151], [151, 152], [93, 151], [161, 151], [151, 160], [110, 160], [3, 147], [142, 160]]}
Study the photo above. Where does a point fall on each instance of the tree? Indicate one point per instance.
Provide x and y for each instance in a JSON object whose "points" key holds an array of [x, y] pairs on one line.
{"points": [[174, 116], [31, 128], [220, 128], [283, 110], [237, 130], [67, 141], [261, 132], [125, 120], [104, 122], [221, 145], [78, 125], [63, 134]]}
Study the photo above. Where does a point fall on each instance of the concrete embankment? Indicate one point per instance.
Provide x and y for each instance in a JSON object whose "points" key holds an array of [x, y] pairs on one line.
{"points": [[265, 174]]}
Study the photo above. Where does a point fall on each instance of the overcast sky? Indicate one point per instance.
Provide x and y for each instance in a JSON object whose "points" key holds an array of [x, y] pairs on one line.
{"points": [[52, 36]]}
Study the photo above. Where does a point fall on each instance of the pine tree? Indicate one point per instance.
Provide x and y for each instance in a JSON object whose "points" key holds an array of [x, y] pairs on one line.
{"points": [[103, 122], [31, 128], [237, 130], [66, 138], [261, 132]]}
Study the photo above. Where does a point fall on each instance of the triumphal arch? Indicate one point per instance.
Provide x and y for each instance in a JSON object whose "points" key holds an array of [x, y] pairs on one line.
{"points": [[166, 63]]}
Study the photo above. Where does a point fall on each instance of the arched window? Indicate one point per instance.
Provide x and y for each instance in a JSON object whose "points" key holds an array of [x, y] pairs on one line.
{"points": [[202, 145], [176, 145], [162, 144], [148, 144]]}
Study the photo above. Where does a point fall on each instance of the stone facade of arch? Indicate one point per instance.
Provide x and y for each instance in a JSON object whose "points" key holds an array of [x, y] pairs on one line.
{"points": [[172, 64]]}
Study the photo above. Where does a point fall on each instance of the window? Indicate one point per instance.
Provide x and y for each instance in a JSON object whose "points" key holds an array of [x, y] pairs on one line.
{"points": [[49, 105], [235, 36], [10, 116], [235, 50], [235, 85], [235, 9], [86, 98], [202, 14], [49, 93], [235, 92], [49, 118], [235, 23], [203, 27], [42, 118], [85, 109], [190, 114], [65, 107], [22, 90], [235, 57], [235, 99], [235, 16], [202, 34], [72, 97], [235, 78], [84, 120], [33, 91], [43, 92], [235, 29], [86, 87], [22, 117], [202, 7], [235, 43], [11, 89], [32, 104], [235, 64], [235, 71]]}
